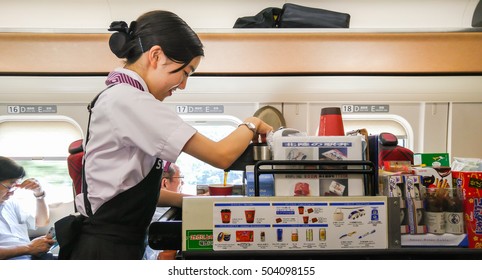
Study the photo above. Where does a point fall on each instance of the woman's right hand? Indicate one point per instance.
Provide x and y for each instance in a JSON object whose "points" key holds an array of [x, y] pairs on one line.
{"points": [[262, 128], [223, 153]]}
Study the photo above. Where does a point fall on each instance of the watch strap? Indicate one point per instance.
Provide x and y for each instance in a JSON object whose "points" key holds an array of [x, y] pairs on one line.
{"points": [[250, 126]]}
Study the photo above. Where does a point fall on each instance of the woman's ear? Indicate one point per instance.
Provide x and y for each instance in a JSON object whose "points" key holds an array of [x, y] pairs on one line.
{"points": [[156, 55]]}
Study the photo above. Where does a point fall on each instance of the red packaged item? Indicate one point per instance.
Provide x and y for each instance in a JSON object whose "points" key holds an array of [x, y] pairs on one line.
{"points": [[244, 236], [302, 189], [471, 184]]}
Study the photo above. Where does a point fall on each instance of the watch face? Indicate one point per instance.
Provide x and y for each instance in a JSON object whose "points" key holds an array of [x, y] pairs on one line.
{"points": [[251, 126]]}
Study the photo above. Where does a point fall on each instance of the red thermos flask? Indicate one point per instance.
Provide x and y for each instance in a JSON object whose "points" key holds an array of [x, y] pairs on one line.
{"points": [[331, 122]]}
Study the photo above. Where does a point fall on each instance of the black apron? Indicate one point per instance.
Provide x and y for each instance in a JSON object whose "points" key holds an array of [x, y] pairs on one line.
{"points": [[117, 230]]}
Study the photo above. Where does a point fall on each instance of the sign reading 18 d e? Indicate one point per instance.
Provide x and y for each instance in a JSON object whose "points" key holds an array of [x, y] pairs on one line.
{"points": [[365, 108]]}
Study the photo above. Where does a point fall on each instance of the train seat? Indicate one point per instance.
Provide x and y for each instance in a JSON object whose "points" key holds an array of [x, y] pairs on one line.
{"points": [[389, 150], [74, 161]]}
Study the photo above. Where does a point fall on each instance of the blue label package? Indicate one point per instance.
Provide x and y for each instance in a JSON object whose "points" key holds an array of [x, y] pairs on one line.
{"points": [[266, 183]]}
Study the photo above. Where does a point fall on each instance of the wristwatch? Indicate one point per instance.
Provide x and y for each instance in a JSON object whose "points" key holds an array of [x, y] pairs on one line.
{"points": [[41, 196], [249, 125]]}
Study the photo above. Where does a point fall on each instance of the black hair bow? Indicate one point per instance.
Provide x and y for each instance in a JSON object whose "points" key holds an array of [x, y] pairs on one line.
{"points": [[121, 26], [123, 35]]}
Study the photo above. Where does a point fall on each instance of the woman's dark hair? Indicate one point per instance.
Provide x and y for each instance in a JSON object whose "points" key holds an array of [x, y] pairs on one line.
{"points": [[156, 28], [9, 169]]}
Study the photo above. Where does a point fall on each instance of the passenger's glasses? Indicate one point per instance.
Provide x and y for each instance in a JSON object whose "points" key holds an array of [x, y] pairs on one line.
{"points": [[10, 188]]}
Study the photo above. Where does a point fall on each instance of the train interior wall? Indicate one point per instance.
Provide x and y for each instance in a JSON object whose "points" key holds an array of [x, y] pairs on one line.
{"points": [[62, 14], [436, 126], [443, 112]]}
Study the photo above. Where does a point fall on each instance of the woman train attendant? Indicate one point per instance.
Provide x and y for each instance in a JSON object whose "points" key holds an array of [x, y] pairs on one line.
{"points": [[131, 133]]}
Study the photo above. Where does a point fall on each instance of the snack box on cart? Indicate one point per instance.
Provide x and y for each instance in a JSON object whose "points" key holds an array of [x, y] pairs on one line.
{"points": [[318, 148]]}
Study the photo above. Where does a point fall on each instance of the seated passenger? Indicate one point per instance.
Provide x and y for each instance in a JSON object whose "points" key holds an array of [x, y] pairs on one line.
{"points": [[172, 179], [15, 222], [170, 188], [171, 184]]}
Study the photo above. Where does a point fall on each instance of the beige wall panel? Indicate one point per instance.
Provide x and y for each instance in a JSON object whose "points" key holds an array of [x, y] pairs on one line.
{"points": [[265, 53], [466, 130]]}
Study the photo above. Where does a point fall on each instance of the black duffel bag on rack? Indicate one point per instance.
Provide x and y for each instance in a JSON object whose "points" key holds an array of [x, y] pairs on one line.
{"points": [[294, 16], [267, 18]]}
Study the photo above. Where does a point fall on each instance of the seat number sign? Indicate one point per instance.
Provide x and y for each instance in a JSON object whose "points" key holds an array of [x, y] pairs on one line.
{"points": [[199, 109], [365, 108], [31, 109]]}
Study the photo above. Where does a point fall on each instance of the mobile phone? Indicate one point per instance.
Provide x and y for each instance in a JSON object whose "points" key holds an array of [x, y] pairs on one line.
{"points": [[51, 233]]}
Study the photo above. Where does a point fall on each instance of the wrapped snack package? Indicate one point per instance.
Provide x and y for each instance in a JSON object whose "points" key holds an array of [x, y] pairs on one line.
{"points": [[471, 183], [467, 164]]}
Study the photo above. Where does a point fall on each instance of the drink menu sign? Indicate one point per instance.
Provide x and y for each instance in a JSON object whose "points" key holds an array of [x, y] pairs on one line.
{"points": [[288, 225]]}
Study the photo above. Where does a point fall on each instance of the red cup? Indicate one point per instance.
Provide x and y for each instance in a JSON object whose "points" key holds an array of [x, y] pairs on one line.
{"points": [[226, 216], [249, 213], [331, 122], [220, 189]]}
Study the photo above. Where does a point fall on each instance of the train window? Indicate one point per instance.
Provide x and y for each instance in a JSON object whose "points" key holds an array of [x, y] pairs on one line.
{"points": [[374, 124], [40, 145], [197, 172]]}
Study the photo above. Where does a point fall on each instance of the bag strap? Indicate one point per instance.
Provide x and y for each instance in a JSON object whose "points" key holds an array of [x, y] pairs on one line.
{"points": [[114, 78], [88, 207]]}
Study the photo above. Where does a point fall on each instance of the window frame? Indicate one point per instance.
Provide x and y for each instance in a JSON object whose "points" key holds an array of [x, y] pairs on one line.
{"points": [[409, 142]]}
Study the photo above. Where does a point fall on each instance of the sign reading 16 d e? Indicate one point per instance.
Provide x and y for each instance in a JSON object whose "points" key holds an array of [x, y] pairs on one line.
{"points": [[28, 109]]}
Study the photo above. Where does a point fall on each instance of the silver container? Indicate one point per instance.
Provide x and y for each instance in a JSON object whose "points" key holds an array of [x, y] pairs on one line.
{"points": [[261, 152]]}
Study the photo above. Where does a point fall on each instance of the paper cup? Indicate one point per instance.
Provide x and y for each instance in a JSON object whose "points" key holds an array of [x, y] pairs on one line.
{"points": [[220, 189]]}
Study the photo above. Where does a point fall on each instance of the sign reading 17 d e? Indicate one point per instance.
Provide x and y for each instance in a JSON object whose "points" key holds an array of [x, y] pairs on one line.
{"points": [[200, 109], [365, 108]]}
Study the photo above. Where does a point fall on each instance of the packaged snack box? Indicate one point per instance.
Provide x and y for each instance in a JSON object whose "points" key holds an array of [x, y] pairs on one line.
{"points": [[440, 177], [429, 159], [329, 148], [471, 184], [266, 182]]}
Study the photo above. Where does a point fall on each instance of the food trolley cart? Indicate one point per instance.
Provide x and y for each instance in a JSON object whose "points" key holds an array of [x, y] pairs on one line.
{"points": [[297, 227]]}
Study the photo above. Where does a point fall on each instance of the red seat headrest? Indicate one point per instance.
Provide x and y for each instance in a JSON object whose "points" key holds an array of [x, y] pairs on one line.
{"points": [[74, 163], [75, 170], [76, 147]]}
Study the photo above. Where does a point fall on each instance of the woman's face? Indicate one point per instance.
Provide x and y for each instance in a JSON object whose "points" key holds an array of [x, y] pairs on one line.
{"points": [[165, 82]]}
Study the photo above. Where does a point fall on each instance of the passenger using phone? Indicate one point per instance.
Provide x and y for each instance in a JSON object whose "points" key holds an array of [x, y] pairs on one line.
{"points": [[132, 132], [15, 221]]}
